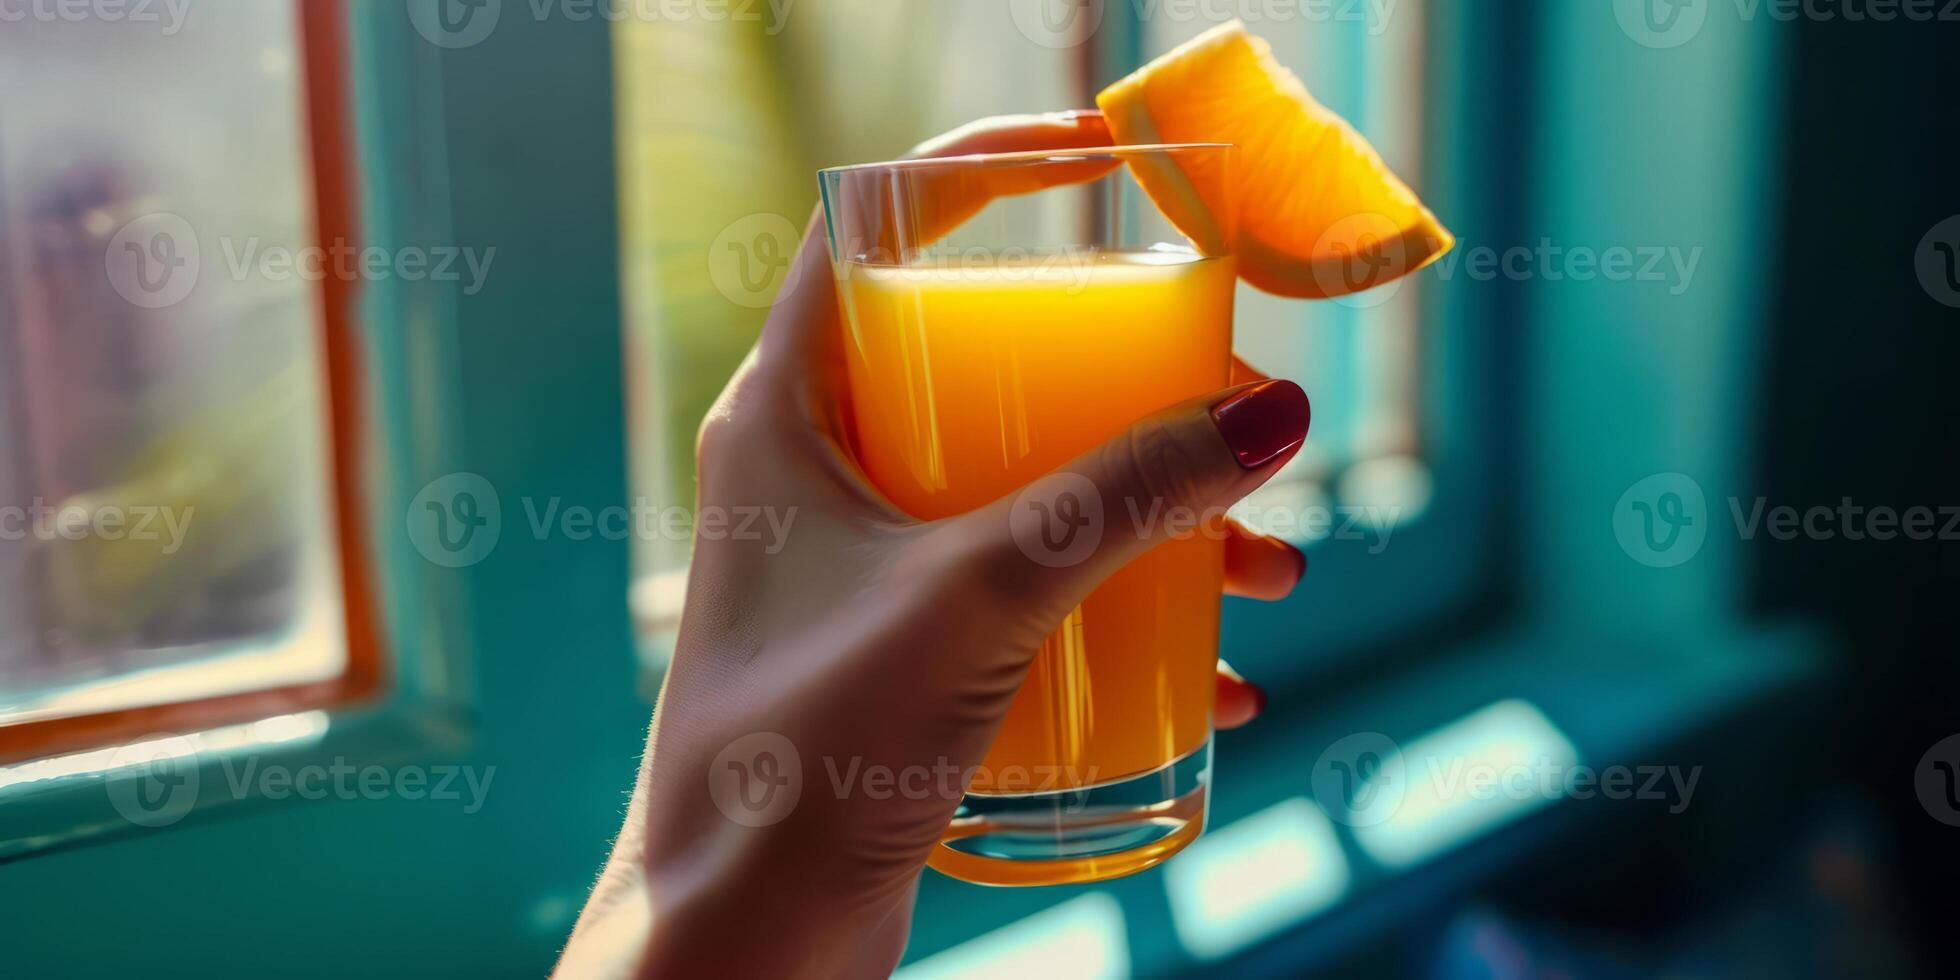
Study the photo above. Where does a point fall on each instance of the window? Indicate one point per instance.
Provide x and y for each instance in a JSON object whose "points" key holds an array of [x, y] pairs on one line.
{"points": [[179, 540], [715, 193]]}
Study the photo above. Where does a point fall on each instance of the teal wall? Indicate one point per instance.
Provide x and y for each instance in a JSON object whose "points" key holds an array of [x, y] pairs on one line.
{"points": [[1645, 147]]}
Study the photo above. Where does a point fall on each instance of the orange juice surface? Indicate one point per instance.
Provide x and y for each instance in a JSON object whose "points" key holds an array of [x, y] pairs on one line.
{"points": [[971, 379]]}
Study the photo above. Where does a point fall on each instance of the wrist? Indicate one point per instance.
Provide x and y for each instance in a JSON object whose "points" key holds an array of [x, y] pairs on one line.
{"points": [[765, 919]]}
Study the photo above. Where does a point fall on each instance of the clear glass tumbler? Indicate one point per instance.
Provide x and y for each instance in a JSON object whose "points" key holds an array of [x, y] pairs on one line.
{"points": [[1007, 312]]}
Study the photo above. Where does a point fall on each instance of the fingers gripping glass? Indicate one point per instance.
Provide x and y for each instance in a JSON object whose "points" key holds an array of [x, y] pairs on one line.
{"points": [[1007, 313]]}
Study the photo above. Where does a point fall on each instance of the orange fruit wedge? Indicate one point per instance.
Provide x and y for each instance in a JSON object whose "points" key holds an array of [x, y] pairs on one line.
{"points": [[1318, 212]]}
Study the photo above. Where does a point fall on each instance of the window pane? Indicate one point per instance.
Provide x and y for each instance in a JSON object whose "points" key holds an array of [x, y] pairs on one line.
{"points": [[715, 191], [1357, 355], [164, 524]]}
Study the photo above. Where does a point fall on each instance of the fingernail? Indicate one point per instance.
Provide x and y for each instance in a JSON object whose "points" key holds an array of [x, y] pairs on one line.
{"points": [[1263, 422], [1073, 114], [1258, 699]]}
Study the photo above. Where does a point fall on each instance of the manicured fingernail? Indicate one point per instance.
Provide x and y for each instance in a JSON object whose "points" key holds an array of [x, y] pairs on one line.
{"points": [[1258, 699], [1263, 422]]}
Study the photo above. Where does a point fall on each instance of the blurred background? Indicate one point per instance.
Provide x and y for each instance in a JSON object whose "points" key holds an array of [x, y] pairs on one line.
{"points": [[351, 354]]}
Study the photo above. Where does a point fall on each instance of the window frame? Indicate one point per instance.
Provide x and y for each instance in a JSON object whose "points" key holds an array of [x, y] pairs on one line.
{"points": [[394, 420]]}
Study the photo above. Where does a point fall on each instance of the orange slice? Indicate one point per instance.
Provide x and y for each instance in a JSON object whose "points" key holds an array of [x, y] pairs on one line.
{"points": [[1319, 213]]}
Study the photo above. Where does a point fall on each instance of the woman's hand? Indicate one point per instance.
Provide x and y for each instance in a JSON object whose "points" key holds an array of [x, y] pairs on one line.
{"points": [[862, 637]]}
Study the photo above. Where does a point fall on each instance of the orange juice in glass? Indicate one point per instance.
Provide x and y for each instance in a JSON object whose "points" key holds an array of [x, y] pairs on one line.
{"points": [[1006, 313]]}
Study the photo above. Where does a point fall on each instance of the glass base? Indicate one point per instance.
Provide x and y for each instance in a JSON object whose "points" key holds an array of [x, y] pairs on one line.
{"points": [[1089, 834]]}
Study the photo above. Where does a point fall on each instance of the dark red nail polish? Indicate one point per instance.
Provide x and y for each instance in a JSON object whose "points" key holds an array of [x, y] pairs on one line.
{"points": [[1263, 422], [1258, 700]]}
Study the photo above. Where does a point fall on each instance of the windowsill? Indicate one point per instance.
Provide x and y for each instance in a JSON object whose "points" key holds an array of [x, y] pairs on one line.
{"points": [[56, 801], [1620, 701], [1612, 700]]}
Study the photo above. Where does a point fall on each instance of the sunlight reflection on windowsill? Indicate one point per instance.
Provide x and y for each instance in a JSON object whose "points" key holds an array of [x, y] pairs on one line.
{"points": [[314, 650], [302, 728]]}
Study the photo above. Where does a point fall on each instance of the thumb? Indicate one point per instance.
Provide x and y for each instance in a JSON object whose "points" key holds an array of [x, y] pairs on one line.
{"points": [[1171, 474]]}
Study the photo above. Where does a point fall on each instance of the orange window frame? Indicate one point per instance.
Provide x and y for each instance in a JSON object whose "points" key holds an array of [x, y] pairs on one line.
{"points": [[323, 41]]}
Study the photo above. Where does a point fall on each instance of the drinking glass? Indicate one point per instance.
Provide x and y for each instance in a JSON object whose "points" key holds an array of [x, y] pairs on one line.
{"points": [[1006, 313]]}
